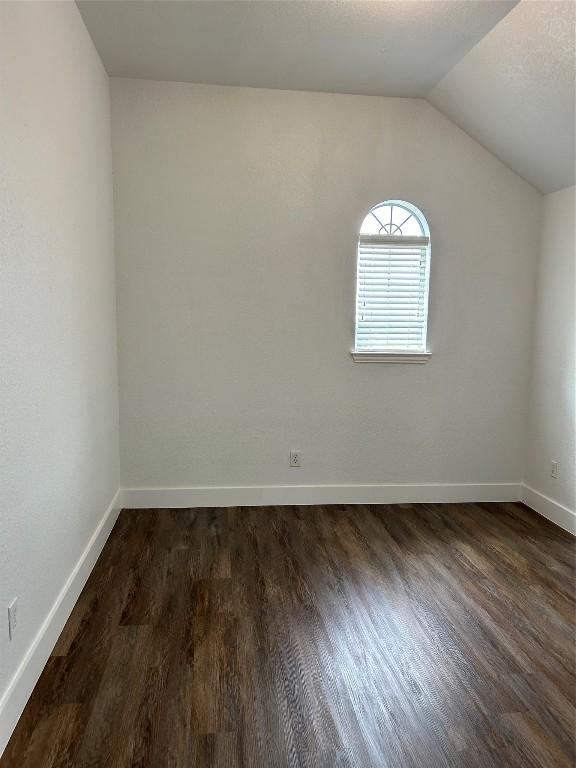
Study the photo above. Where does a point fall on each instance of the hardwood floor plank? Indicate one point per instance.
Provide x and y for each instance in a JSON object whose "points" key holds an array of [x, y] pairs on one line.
{"points": [[345, 636], [109, 733], [53, 742]]}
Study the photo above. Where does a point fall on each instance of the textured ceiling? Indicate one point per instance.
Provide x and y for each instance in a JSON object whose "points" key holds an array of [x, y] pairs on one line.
{"points": [[502, 70], [392, 48], [514, 92]]}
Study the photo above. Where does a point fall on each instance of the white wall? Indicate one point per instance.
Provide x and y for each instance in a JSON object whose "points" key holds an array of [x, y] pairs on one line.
{"points": [[553, 395], [236, 219], [58, 379]]}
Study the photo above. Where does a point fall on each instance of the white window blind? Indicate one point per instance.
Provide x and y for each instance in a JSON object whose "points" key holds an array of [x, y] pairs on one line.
{"points": [[392, 291]]}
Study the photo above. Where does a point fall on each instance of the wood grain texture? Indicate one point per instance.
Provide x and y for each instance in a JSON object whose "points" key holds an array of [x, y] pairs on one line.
{"points": [[439, 636]]}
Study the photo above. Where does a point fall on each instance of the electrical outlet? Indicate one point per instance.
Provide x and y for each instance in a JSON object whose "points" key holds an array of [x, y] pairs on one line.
{"points": [[294, 458], [12, 618], [554, 469]]}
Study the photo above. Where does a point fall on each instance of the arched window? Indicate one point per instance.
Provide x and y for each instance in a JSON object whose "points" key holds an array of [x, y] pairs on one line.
{"points": [[392, 284]]}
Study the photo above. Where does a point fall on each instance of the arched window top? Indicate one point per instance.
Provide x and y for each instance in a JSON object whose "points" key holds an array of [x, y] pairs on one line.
{"points": [[395, 218]]}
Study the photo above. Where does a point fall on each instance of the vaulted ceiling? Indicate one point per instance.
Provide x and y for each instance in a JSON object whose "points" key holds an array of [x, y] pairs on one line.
{"points": [[502, 70], [514, 92]]}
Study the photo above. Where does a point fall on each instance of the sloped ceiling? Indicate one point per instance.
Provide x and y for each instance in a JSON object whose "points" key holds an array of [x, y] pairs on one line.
{"points": [[502, 70], [383, 48], [514, 92]]}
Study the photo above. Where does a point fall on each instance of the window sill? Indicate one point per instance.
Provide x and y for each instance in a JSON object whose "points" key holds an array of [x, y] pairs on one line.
{"points": [[391, 357]]}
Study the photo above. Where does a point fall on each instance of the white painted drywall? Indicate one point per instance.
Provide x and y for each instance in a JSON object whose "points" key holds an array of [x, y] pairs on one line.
{"points": [[553, 395], [58, 379], [382, 47], [515, 92], [236, 219]]}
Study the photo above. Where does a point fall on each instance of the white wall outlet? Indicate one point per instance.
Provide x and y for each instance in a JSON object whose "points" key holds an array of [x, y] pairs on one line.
{"points": [[554, 469], [12, 618], [295, 458]]}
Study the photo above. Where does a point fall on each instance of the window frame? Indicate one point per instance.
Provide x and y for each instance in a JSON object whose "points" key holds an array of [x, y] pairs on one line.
{"points": [[400, 355]]}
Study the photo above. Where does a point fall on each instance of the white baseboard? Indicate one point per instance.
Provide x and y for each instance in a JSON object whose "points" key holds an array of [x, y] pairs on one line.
{"points": [[22, 684], [547, 507], [262, 495]]}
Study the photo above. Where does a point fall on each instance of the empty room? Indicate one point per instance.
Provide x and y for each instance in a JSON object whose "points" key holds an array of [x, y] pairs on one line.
{"points": [[287, 392]]}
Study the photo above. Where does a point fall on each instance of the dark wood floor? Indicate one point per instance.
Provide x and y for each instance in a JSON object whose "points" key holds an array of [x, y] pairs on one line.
{"points": [[388, 636]]}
